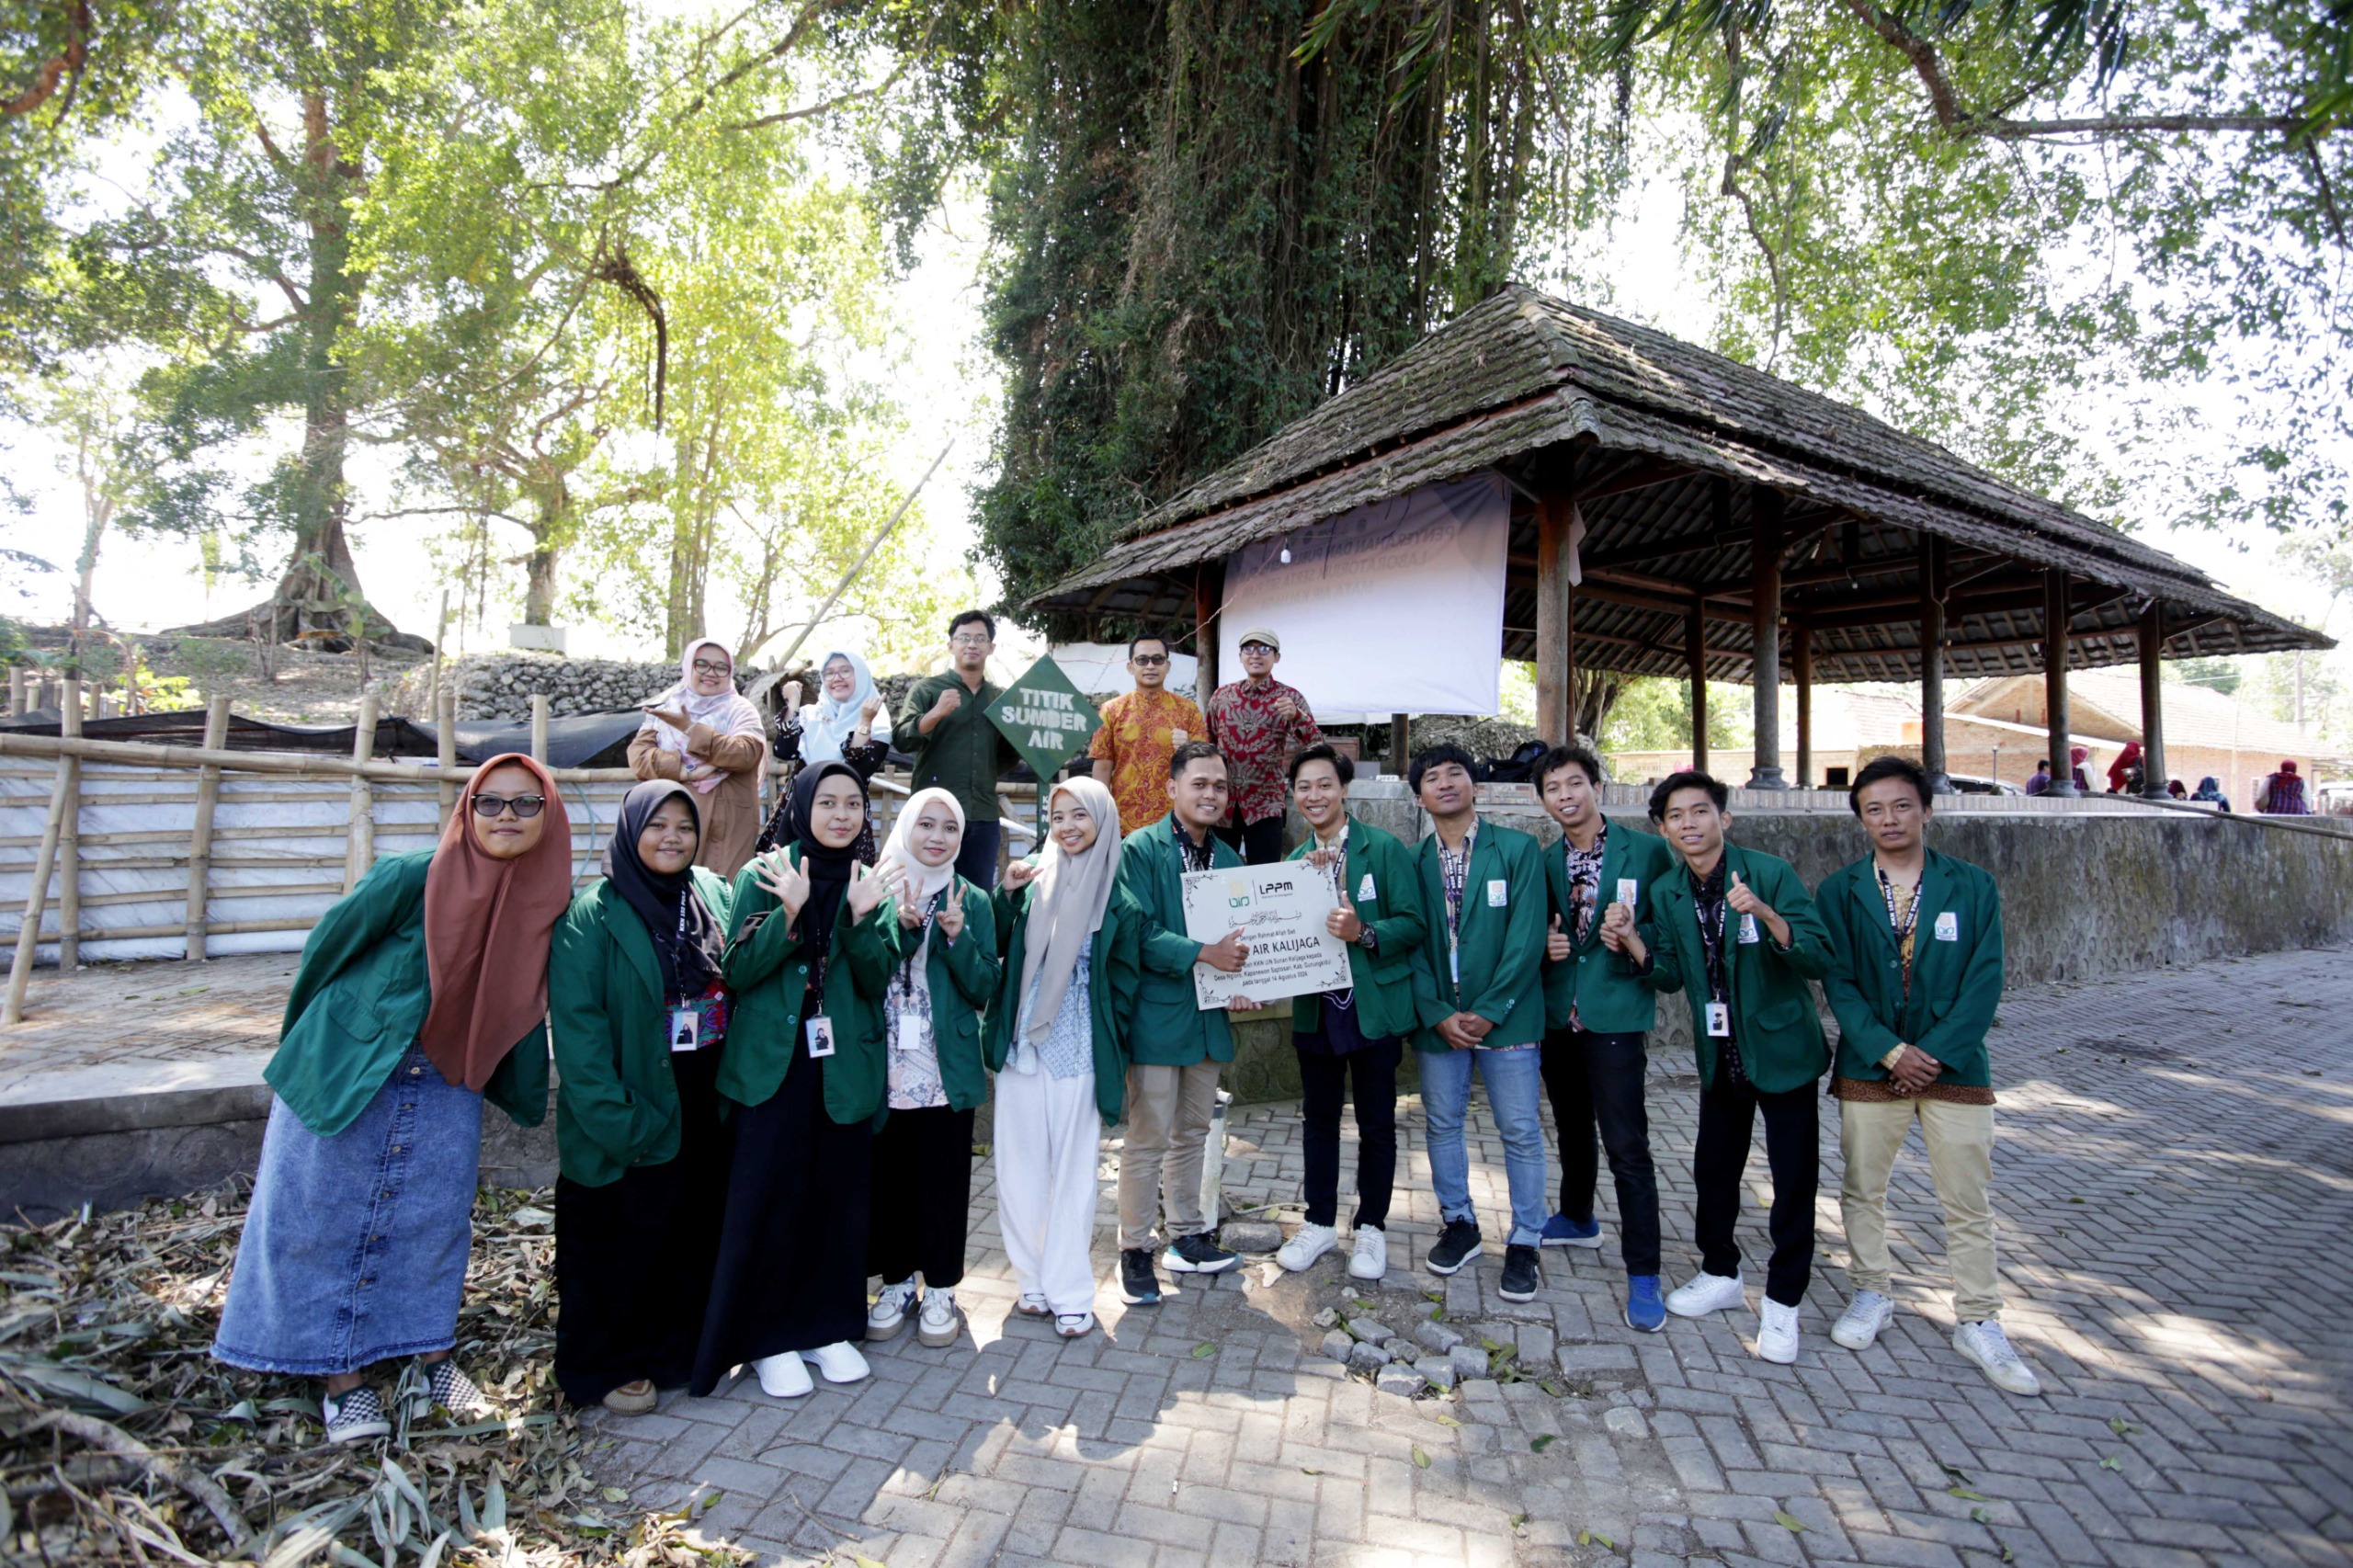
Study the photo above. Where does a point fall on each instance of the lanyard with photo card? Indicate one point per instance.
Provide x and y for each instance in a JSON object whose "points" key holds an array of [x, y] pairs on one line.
{"points": [[821, 1036], [700, 1023], [1719, 1020]]}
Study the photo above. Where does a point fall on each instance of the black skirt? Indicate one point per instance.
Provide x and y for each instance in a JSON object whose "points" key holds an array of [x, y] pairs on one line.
{"points": [[791, 1271], [922, 1197], [634, 1258]]}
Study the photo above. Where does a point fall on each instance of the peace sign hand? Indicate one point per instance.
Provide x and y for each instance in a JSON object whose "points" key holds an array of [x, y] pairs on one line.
{"points": [[866, 892], [950, 918], [787, 881], [1557, 946]]}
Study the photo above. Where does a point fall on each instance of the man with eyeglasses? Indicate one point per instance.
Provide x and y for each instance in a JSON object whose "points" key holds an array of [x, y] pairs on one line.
{"points": [[1142, 729], [944, 724], [1258, 723]]}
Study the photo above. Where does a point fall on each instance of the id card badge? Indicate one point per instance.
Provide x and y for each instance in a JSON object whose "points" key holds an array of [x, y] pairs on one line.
{"points": [[821, 1036], [1947, 926], [686, 1028], [1748, 928], [1719, 1020], [1364, 889], [1498, 893], [912, 1032], [1628, 887]]}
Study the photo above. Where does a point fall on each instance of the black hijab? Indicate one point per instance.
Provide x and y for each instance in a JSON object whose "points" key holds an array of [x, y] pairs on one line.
{"points": [[688, 941], [828, 868]]}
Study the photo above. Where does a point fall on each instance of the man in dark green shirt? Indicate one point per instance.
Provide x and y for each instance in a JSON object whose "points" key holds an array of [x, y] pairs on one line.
{"points": [[944, 725]]}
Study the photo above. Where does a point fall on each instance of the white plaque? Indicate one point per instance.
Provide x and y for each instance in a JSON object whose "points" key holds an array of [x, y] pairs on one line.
{"points": [[1279, 910]]}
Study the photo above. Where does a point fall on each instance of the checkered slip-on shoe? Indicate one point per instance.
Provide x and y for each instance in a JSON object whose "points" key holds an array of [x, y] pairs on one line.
{"points": [[450, 1388], [355, 1415]]}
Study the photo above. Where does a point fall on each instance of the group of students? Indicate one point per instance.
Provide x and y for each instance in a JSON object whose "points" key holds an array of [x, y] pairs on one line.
{"points": [[767, 1083]]}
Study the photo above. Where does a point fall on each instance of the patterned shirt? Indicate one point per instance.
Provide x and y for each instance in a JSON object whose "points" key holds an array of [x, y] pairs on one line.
{"points": [[914, 1053], [1247, 726], [1137, 739], [1454, 872], [1903, 919], [1585, 876], [1068, 1049]]}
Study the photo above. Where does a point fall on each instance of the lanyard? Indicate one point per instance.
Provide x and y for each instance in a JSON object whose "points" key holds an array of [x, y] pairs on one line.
{"points": [[1719, 982], [1902, 926]]}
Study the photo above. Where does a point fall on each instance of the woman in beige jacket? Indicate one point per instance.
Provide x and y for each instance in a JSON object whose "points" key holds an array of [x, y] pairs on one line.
{"points": [[708, 737]]}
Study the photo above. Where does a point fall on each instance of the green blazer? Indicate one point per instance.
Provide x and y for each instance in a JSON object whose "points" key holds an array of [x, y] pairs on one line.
{"points": [[1115, 974], [1378, 864], [1171, 1027], [1956, 979], [1774, 1021], [1502, 944], [963, 978], [1608, 1000], [768, 977], [360, 997], [616, 1099]]}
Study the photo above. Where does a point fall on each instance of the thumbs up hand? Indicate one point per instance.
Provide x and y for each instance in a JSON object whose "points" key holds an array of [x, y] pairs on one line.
{"points": [[1556, 942], [1742, 899]]}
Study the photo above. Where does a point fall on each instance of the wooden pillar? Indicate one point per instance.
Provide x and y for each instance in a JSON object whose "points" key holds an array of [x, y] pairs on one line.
{"points": [[1694, 659], [1765, 594], [199, 843], [445, 747], [1932, 664], [69, 839], [1209, 593], [1400, 738], [1555, 625], [2153, 707], [359, 839], [2056, 614], [1802, 657]]}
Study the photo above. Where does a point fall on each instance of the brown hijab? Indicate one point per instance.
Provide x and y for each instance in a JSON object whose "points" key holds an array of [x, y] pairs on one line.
{"points": [[487, 925]]}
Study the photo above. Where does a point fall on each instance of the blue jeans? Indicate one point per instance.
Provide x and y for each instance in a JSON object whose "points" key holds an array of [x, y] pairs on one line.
{"points": [[1514, 1088]]}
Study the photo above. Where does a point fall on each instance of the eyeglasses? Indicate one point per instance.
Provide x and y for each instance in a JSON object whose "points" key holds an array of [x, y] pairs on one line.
{"points": [[1150, 661], [705, 667], [1255, 648], [524, 806], [970, 640]]}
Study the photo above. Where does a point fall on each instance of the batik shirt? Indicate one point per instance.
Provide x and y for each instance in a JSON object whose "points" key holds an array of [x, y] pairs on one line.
{"points": [[1248, 728], [1137, 739], [1585, 888]]}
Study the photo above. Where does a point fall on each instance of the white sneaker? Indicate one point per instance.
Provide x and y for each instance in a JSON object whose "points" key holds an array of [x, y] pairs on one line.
{"points": [[889, 1313], [1776, 1332], [783, 1377], [1705, 1293], [1860, 1323], [1307, 1243], [1985, 1343], [941, 1322], [1371, 1259], [840, 1362]]}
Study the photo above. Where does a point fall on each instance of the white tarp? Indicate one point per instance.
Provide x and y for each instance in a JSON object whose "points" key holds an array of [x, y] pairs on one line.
{"points": [[1394, 608]]}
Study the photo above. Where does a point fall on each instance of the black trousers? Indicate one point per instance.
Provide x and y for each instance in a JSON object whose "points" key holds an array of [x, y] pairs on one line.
{"points": [[1596, 1081], [922, 1197], [1792, 1148], [1370, 1076], [976, 860], [1261, 842]]}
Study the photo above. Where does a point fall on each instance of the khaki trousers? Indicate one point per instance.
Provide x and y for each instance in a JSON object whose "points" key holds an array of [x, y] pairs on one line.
{"points": [[1960, 1157], [1168, 1124]]}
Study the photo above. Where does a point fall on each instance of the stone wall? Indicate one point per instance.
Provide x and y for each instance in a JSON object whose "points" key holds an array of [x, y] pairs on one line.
{"points": [[2083, 895], [501, 684]]}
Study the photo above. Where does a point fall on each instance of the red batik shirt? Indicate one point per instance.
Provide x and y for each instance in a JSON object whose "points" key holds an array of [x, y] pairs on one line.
{"points": [[1248, 724]]}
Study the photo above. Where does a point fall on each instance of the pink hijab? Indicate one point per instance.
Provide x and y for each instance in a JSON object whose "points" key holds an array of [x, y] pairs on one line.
{"points": [[727, 713]]}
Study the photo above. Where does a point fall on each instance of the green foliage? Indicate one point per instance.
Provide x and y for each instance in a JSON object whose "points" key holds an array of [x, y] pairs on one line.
{"points": [[1653, 713]]}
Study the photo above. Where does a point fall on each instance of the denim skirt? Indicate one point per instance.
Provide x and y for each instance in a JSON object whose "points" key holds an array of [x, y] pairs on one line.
{"points": [[355, 1247]]}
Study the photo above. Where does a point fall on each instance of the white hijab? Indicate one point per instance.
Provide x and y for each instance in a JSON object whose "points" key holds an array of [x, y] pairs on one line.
{"points": [[727, 713], [922, 882], [826, 725], [1066, 910]]}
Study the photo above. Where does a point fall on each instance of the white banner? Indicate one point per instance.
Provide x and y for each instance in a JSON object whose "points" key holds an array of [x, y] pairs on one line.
{"points": [[1279, 910], [1394, 608]]}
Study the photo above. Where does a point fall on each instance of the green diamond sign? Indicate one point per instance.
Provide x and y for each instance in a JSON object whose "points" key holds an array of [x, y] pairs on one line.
{"points": [[1047, 720]]}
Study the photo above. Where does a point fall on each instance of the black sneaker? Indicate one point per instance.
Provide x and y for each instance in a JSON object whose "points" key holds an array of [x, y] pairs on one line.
{"points": [[1521, 1274], [1197, 1254], [1457, 1245], [1139, 1286]]}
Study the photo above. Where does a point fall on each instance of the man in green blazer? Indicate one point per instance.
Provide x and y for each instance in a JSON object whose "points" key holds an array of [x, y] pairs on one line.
{"points": [[1175, 1045], [1736, 934], [1353, 1033], [1916, 976], [1596, 1019], [1478, 996]]}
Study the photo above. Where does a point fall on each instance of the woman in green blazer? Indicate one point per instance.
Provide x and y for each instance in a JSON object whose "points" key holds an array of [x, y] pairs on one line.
{"points": [[1058, 1044], [940, 948], [640, 1018], [422, 993], [804, 1063]]}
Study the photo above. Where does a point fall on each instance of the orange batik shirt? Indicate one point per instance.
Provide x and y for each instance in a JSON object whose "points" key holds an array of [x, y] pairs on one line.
{"points": [[1137, 739]]}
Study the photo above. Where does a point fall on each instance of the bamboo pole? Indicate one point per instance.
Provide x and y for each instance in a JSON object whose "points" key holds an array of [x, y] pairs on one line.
{"points": [[361, 843], [297, 763], [864, 555], [199, 851], [540, 728], [444, 726], [20, 966], [15, 690], [69, 839], [440, 635]]}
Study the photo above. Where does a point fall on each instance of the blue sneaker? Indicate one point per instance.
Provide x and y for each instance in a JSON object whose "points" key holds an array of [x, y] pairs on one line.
{"points": [[1560, 1231], [1645, 1309]]}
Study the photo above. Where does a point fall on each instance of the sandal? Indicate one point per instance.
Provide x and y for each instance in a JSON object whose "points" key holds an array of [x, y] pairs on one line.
{"points": [[1075, 1325]]}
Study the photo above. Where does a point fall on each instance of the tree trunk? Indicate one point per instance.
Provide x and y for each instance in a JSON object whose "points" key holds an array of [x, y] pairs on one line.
{"points": [[551, 500]]}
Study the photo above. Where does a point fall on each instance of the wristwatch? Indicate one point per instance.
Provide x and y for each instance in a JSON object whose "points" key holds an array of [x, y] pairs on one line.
{"points": [[1367, 940]]}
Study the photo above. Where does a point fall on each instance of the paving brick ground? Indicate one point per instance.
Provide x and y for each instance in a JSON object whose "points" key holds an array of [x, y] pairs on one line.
{"points": [[161, 1011], [2175, 1189]]}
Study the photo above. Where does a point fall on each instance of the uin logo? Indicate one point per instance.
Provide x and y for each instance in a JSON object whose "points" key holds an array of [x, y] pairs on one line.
{"points": [[1237, 893]]}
